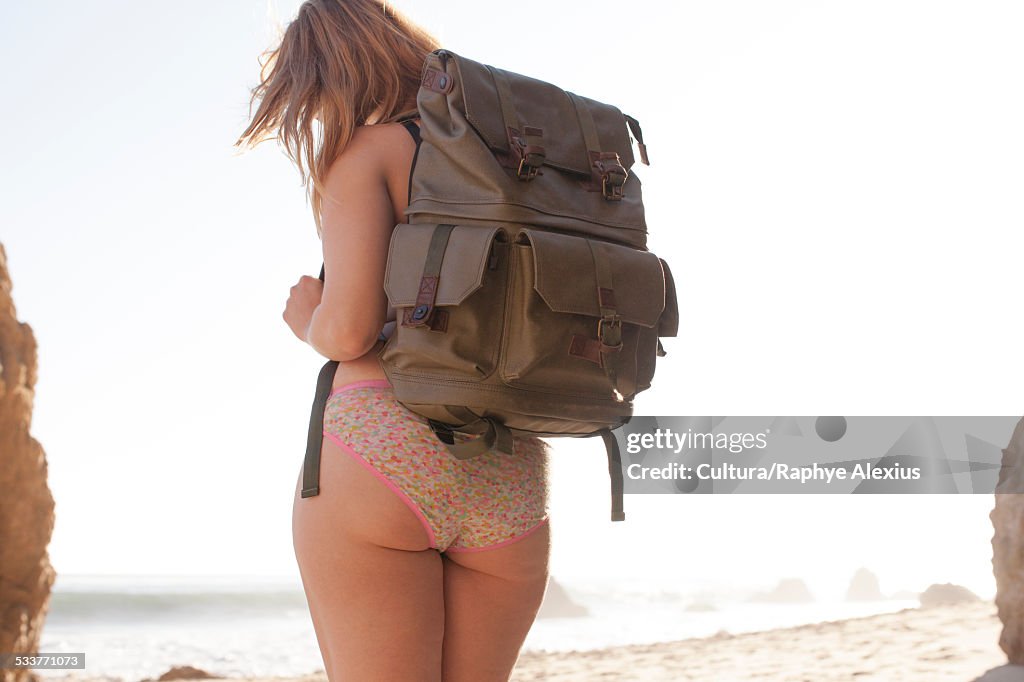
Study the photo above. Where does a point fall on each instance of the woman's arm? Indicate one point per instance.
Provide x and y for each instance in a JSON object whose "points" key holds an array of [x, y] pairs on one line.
{"points": [[357, 219]]}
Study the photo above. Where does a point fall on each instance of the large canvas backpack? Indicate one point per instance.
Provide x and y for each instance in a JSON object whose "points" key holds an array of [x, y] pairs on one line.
{"points": [[528, 303]]}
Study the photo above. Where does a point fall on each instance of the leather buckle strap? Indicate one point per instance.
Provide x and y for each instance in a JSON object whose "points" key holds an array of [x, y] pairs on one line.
{"points": [[599, 350], [526, 171], [526, 150], [609, 326], [422, 312], [607, 172], [529, 150]]}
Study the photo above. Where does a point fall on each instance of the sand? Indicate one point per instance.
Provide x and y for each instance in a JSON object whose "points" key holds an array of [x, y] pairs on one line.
{"points": [[955, 642], [938, 644]]}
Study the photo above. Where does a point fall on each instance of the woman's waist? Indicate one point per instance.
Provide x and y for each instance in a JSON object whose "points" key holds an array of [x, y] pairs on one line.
{"points": [[363, 368]]}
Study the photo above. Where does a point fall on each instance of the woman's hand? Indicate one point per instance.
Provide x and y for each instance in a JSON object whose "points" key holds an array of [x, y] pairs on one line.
{"points": [[305, 296]]}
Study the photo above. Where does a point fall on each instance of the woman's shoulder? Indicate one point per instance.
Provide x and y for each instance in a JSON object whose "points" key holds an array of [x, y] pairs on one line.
{"points": [[373, 148], [379, 131]]}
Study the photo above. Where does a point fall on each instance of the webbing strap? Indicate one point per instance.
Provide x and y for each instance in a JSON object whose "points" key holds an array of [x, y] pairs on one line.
{"points": [[614, 473], [420, 314], [315, 437], [526, 143], [491, 434], [606, 169], [505, 100], [609, 328], [435, 252], [634, 127], [605, 280], [586, 120]]}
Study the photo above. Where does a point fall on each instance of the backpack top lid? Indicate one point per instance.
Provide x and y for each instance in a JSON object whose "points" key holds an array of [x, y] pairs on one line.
{"points": [[540, 104], [563, 161]]}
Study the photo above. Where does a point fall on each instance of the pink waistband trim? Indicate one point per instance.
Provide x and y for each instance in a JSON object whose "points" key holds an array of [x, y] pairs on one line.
{"points": [[365, 383]]}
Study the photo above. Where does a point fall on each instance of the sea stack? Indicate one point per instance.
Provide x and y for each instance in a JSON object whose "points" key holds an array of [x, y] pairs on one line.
{"points": [[787, 591], [558, 604], [864, 586], [1008, 547], [26, 506]]}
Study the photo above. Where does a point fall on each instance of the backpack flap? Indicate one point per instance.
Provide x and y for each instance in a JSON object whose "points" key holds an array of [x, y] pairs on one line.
{"points": [[566, 277], [449, 316], [463, 265], [585, 315], [542, 106], [502, 147]]}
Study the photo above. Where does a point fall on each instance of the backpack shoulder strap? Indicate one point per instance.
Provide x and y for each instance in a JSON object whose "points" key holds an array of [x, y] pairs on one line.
{"points": [[315, 437], [614, 472]]}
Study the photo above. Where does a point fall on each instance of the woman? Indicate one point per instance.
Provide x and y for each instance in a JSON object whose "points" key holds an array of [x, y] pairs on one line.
{"points": [[416, 565]]}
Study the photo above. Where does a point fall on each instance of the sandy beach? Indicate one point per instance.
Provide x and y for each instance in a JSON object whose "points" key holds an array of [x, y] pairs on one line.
{"points": [[937, 644], [949, 643]]}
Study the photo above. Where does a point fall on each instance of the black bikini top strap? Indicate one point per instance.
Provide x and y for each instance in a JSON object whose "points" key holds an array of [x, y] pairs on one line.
{"points": [[413, 129]]}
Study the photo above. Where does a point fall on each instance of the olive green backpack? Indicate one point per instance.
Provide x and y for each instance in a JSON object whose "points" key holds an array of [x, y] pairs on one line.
{"points": [[527, 301]]}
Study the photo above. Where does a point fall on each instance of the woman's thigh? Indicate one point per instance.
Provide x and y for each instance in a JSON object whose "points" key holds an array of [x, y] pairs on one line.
{"points": [[373, 585], [491, 598]]}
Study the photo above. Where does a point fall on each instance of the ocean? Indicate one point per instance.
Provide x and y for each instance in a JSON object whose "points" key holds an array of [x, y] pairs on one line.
{"points": [[136, 627]]}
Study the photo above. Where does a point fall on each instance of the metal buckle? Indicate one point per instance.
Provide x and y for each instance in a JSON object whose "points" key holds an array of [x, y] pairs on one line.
{"points": [[612, 192], [613, 174], [443, 431], [611, 332], [531, 171]]}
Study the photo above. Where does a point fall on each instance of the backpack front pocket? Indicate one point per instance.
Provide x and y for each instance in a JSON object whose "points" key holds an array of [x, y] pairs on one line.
{"points": [[447, 284], [582, 316]]}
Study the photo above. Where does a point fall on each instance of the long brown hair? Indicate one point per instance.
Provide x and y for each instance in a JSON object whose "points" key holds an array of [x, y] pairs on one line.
{"points": [[340, 64]]}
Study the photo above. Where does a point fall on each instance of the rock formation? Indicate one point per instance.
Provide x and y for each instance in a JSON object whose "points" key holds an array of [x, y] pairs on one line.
{"points": [[558, 604], [26, 506], [908, 595], [186, 672], [864, 587], [946, 593], [1008, 547], [788, 591]]}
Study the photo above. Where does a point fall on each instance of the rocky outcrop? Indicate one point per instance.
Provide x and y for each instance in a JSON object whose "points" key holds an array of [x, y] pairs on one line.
{"points": [[907, 595], [1008, 547], [26, 506], [864, 587], [788, 591], [946, 593], [186, 672], [558, 604]]}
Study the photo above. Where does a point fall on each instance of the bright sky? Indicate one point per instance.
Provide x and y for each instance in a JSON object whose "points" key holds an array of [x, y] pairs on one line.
{"points": [[835, 184]]}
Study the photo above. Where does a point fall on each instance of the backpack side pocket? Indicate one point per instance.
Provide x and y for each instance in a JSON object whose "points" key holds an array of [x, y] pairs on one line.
{"points": [[449, 315], [582, 316]]}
